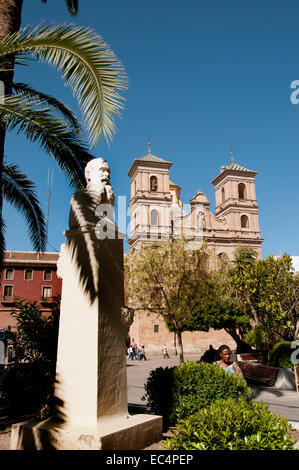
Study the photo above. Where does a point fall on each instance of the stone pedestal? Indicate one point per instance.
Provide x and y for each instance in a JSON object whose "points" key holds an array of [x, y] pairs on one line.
{"points": [[131, 433], [91, 381]]}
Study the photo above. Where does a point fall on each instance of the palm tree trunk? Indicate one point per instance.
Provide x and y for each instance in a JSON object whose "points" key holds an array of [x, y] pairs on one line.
{"points": [[10, 22], [10, 16]]}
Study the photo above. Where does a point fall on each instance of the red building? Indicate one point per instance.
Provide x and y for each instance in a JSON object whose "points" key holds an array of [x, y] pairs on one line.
{"points": [[31, 276]]}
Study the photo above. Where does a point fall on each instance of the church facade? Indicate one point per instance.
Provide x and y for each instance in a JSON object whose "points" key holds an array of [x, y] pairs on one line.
{"points": [[157, 213]]}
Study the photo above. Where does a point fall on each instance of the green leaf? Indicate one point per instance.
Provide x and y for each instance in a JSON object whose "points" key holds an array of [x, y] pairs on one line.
{"points": [[87, 65], [21, 193]]}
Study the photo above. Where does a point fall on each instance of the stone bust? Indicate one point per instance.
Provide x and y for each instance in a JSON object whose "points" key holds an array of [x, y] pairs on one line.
{"points": [[98, 191], [97, 175]]}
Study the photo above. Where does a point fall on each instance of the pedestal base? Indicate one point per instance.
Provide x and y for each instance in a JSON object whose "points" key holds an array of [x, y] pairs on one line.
{"points": [[133, 433]]}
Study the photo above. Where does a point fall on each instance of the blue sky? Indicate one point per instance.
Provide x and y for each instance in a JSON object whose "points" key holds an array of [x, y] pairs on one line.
{"points": [[202, 76]]}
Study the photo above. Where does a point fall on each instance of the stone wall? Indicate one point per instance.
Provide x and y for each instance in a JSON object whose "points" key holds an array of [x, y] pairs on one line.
{"points": [[150, 330]]}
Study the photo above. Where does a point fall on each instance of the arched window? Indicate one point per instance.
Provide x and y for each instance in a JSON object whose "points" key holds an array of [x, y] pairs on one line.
{"points": [[244, 221], [9, 274], [154, 218], [242, 191], [223, 194], [153, 183]]}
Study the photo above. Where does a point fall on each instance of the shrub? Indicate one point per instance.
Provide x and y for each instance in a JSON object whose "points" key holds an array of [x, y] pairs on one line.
{"points": [[177, 392], [24, 387], [158, 392], [280, 355], [232, 425], [27, 385]]}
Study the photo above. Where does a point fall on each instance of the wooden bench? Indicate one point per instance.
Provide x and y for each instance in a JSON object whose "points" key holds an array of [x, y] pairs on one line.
{"points": [[258, 373]]}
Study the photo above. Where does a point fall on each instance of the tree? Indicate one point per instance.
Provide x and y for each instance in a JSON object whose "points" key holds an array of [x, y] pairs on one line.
{"points": [[87, 65], [169, 280], [10, 22], [27, 385], [224, 309], [270, 291]]}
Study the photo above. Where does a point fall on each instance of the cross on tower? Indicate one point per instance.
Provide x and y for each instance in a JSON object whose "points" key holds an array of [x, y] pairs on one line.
{"points": [[231, 154], [148, 144]]}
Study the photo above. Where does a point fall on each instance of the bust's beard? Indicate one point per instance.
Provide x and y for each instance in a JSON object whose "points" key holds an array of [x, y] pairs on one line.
{"points": [[102, 191]]}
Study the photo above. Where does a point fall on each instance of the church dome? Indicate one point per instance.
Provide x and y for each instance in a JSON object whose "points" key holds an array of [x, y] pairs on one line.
{"points": [[200, 198]]}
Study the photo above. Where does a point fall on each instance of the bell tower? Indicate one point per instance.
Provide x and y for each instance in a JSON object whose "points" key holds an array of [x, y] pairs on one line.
{"points": [[236, 203], [151, 199]]}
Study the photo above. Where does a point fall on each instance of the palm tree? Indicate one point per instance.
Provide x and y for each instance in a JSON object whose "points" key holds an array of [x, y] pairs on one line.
{"points": [[11, 14], [20, 192], [93, 72], [10, 22]]}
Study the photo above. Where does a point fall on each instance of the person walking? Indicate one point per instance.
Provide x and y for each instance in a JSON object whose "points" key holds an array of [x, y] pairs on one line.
{"points": [[165, 352], [141, 353], [132, 353], [135, 347]]}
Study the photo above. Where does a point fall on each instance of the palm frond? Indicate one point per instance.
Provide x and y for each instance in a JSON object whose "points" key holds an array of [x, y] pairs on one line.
{"points": [[9, 62], [87, 65], [53, 134], [72, 6], [20, 192], [47, 100]]}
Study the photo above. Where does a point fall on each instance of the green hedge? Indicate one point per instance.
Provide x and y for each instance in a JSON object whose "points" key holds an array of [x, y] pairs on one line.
{"points": [[178, 392], [280, 355], [25, 387], [232, 425]]}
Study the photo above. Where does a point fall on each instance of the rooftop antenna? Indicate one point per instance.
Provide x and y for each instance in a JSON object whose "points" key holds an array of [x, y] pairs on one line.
{"points": [[49, 185]]}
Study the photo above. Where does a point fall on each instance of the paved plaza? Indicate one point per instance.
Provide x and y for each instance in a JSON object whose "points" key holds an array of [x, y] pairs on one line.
{"points": [[282, 402]]}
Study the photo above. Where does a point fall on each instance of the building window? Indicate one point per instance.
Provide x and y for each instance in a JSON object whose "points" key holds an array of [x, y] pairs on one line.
{"points": [[154, 183], [28, 275], [47, 292], [154, 218], [9, 274], [7, 292], [244, 221], [47, 275], [242, 191], [223, 194], [156, 328]]}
